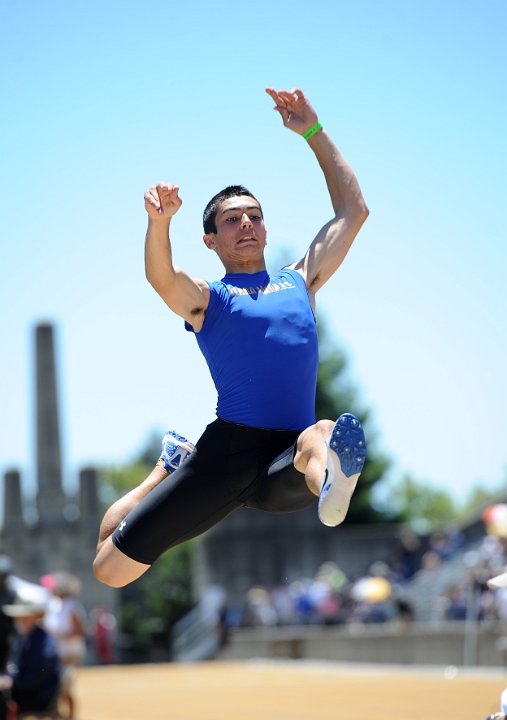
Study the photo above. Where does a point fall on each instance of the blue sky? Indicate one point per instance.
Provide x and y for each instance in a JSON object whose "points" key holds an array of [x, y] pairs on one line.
{"points": [[102, 99]]}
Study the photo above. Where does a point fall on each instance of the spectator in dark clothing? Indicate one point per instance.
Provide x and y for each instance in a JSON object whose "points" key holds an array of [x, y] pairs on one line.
{"points": [[6, 598], [456, 604], [34, 676]]}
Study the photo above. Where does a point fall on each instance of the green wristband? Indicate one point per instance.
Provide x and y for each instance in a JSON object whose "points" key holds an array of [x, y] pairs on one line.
{"points": [[311, 131]]}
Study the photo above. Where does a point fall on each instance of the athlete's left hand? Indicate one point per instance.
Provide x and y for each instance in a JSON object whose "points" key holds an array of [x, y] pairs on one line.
{"points": [[296, 111]]}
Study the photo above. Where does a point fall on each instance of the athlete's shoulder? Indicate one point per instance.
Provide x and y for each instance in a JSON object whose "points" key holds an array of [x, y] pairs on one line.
{"points": [[219, 288], [291, 271], [295, 267], [219, 301], [296, 274]]}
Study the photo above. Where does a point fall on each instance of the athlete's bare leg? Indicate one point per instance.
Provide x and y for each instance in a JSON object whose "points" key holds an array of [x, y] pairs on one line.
{"points": [[331, 456], [111, 566], [121, 508], [311, 453]]}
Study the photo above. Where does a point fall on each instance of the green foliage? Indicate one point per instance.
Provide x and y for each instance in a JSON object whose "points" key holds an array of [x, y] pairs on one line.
{"points": [[116, 481], [422, 507], [150, 453], [152, 604], [428, 509], [478, 498], [336, 395]]}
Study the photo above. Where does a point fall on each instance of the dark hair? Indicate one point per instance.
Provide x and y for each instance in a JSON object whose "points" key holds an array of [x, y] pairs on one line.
{"points": [[211, 209]]}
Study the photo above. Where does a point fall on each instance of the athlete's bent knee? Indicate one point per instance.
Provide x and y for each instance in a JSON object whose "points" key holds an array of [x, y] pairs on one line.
{"points": [[114, 568]]}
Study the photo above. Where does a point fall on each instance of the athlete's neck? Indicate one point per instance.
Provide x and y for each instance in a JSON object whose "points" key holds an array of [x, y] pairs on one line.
{"points": [[247, 267]]}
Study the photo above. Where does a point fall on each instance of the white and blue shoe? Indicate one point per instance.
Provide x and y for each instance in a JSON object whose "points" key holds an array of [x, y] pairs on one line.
{"points": [[175, 450], [345, 459], [500, 581]]}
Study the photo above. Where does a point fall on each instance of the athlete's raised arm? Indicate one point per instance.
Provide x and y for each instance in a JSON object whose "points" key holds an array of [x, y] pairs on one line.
{"points": [[333, 241], [185, 296]]}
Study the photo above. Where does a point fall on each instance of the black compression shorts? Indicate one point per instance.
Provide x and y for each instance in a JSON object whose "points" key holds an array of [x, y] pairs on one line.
{"points": [[232, 466]]}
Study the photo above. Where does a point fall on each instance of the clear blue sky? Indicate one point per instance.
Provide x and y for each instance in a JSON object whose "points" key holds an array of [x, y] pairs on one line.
{"points": [[102, 99]]}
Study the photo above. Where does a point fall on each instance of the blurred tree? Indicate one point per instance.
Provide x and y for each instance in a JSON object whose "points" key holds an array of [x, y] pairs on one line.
{"points": [[479, 498], [421, 506], [336, 395], [156, 601], [115, 481]]}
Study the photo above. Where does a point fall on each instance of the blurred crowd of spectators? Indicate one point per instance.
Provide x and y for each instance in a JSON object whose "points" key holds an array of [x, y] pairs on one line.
{"points": [[388, 590]]}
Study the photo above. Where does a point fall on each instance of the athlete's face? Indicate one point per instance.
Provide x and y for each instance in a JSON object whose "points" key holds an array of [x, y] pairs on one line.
{"points": [[241, 235]]}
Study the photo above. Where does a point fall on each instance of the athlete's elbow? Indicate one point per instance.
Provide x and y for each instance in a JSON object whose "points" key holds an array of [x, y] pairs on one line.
{"points": [[362, 212], [357, 217], [354, 215]]}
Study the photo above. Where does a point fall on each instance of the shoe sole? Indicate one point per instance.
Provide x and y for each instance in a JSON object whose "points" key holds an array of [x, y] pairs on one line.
{"points": [[347, 455]]}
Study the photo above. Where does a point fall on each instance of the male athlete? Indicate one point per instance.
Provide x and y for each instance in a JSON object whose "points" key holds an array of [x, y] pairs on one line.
{"points": [[257, 333]]}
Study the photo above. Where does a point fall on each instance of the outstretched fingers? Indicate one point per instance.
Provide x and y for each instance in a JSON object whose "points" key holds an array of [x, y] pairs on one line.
{"points": [[280, 104], [297, 113]]}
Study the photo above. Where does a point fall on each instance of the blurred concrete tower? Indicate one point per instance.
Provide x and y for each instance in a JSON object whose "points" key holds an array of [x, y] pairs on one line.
{"points": [[62, 533], [13, 514], [50, 497], [17, 542]]}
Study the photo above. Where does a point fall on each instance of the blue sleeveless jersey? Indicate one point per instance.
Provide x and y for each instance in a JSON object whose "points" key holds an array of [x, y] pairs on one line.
{"points": [[259, 339]]}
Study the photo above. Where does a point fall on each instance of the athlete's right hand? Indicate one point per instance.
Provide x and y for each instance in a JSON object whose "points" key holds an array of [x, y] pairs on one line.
{"points": [[162, 201]]}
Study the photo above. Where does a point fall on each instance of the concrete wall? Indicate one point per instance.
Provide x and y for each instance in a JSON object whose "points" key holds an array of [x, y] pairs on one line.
{"points": [[445, 644]]}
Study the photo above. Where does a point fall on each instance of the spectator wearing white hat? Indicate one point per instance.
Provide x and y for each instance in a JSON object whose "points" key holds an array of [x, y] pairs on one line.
{"points": [[34, 676], [66, 621]]}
